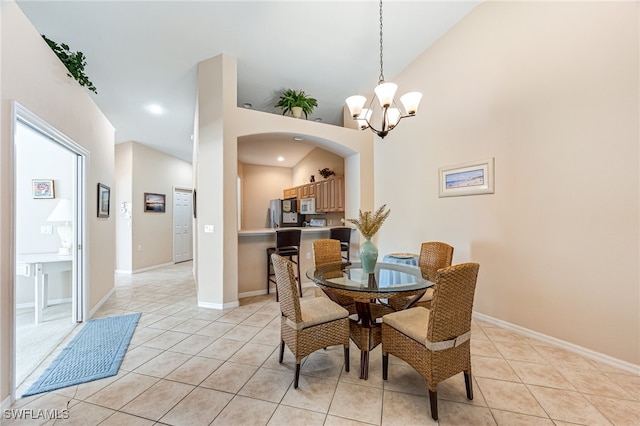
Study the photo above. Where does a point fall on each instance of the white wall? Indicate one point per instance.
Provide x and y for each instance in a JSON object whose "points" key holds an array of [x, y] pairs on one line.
{"points": [[550, 89], [314, 161], [33, 75], [260, 185], [148, 239]]}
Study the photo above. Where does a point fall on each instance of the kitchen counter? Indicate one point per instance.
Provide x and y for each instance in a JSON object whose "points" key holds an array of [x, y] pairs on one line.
{"points": [[267, 231]]}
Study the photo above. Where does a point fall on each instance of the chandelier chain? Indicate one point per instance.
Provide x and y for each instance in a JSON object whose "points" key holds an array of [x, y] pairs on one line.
{"points": [[381, 77]]}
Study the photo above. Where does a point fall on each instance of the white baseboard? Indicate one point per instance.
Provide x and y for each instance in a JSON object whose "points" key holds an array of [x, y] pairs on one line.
{"points": [[218, 306], [587, 353], [50, 302], [272, 290], [100, 303]]}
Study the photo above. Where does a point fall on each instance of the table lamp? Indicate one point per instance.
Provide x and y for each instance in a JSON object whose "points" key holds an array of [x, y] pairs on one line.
{"points": [[62, 213]]}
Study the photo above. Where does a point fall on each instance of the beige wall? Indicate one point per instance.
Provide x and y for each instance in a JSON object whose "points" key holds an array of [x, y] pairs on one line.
{"points": [[312, 162], [32, 75], [260, 185], [550, 89], [152, 171]]}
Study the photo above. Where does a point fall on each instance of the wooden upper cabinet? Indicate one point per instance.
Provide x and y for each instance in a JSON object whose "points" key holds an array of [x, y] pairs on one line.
{"points": [[305, 191], [340, 194], [329, 194]]}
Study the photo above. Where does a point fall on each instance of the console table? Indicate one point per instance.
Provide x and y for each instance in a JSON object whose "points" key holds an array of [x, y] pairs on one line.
{"points": [[39, 266]]}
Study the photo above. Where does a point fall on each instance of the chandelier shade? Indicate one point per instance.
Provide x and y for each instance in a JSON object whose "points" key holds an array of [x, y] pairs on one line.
{"points": [[388, 115]]}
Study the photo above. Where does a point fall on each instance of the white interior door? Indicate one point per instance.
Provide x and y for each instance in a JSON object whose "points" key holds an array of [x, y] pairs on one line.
{"points": [[182, 225]]}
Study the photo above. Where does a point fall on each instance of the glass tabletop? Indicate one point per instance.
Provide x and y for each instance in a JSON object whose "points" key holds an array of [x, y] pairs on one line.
{"points": [[350, 276]]}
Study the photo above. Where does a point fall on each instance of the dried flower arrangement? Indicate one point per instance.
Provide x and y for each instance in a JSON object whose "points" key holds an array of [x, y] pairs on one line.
{"points": [[326, 172], [368, 224]]}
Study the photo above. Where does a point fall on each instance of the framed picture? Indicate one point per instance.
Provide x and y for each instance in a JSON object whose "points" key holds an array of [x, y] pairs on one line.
{"points": [[104, 200], [42, 188], [467, 179], [154, 203]]}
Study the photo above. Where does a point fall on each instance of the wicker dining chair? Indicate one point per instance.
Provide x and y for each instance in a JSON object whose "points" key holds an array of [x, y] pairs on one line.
{"points": [[436, 342], [327, 251], [434, 255], [309, 324]]}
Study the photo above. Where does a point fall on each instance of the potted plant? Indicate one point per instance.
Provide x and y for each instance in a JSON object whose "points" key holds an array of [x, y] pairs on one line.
{"points": [[297, 102], [326, 172], [74, 61]]}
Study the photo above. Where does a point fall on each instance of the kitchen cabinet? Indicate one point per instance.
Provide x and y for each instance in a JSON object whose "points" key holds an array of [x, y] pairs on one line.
{"points": [[329, 194]]}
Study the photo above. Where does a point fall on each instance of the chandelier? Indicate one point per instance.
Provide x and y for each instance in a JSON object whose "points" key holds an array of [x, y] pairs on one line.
{"points": [[389, 113]]}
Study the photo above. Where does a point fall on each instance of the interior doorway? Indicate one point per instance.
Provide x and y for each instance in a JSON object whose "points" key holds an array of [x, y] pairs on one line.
{"points": [[49, 201], [182, 225]]}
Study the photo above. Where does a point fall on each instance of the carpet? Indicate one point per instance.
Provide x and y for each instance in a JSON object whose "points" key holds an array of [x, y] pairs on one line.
{"points": [[94, 353]]}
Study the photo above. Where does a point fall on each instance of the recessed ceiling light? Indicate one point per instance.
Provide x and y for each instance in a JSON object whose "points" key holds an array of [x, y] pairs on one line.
{"points": [[298, 138], [247, 105], [155, 109], [280, 158]]}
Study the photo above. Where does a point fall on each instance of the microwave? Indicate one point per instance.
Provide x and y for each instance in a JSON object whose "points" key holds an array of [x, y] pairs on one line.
{"points": [[307, 206]]}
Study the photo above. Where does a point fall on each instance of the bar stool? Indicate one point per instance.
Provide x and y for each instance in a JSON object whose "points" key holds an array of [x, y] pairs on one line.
{"points": [[342, 233], [287, 245]]}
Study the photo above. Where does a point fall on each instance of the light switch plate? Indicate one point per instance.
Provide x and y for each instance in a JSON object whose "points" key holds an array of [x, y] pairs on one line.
{"points": [[46, 229], [208, 229]]}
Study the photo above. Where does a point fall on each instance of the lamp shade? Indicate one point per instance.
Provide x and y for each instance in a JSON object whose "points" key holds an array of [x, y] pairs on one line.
{"points": [[62, 212], [410, 102], [385, 93], [393, 117], [355, 104]]}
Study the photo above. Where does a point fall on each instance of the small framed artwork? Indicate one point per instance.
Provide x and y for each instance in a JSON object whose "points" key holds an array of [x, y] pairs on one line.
{"points": [[471, 178], [154, 203], [104, 200], [42, 188]]}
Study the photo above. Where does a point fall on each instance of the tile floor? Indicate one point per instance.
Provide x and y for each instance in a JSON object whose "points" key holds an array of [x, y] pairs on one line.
{"points": [[192, 366]]}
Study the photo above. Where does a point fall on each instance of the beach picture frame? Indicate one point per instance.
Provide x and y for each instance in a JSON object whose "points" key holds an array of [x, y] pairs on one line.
{"points": [[42, 188], [154, 203], [472, 178]]}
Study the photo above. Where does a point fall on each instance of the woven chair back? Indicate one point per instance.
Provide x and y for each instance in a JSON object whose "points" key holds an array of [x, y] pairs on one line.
{"points": [[326, 251], [452, 303], [340, 233], [434, 255], [286, 287]]}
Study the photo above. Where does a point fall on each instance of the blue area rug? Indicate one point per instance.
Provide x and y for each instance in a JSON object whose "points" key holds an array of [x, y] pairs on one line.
{"points": [[94, 353]]}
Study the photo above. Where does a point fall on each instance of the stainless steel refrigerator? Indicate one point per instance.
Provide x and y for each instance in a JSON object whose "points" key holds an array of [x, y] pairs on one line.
{"points": [[283, 213]]}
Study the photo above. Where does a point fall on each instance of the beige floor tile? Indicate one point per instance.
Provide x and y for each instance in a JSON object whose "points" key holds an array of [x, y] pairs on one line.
{"points": [[51, 402], [191, 325], [167, 323], [83, 414], [559, 357], [341, 421], [617, 411], [568, 406], [149, 318], [252, 354], [507, 418], [259, 319], [166, 340], [195, 370], [629, 382], [221, 349], [519, 352], [119, 419], [594, 382], [235, 317], [405, 379], [502, 335], [268, 385], [192, 344], [216, 329], [137, 356], [200, 407], [541, 375], [484, 348], [242, 333], [229, 377], [245, 411], [404, 409], [169, 309], [313, 393], [454, 389], [267, 336], [84, 390], [163, 364], [509, 396], [455, 413], [144, 334], [496, 368], [190, 311], [156, 401], [288, 361], [287, 416], [322, 364], [120, 392], [362, 403]]}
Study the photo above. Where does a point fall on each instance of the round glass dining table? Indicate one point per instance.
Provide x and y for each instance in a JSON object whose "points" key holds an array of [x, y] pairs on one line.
{"points": [[370, 295]]}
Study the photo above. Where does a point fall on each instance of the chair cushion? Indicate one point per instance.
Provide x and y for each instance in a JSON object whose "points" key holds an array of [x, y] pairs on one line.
{"points": [[318, 310], [410, 322], [427, 296]]}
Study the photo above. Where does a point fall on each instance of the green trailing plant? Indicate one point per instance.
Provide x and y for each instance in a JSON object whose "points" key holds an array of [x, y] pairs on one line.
{"points": [[74, 61], [296, 98]]}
